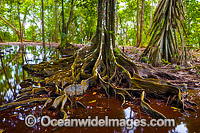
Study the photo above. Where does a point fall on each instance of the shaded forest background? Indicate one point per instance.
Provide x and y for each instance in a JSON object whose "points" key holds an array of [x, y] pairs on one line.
{"points": [[133, 21]]}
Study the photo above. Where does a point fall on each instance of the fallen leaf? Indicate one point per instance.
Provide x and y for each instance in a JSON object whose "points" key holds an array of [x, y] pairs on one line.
{"points": [[93, 101], [13, 115], [18, 107], [175, 108]]}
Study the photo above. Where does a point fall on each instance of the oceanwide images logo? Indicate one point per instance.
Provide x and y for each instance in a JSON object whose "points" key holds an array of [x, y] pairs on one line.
{"points": [[46, 121]]}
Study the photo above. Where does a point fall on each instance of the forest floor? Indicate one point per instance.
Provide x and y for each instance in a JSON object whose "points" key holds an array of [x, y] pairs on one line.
{"points": [[97, 102]]}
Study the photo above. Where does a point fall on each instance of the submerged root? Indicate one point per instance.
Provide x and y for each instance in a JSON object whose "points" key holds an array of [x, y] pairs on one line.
{"points": [[150, 111], [22, 103]]}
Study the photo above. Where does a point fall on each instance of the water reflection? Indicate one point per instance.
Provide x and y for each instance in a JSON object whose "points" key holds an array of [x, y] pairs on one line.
{"points": [[181, 128], [12, 58]]}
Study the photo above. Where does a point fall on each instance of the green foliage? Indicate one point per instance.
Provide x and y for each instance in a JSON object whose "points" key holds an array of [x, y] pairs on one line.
{"points": [[145, 59], [83, 23], [193, 22], [117, 51]]}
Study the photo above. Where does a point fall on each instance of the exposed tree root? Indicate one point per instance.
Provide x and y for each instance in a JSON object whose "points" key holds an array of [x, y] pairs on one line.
{"points": [[92, 65], [146, 108], [22, 103]]}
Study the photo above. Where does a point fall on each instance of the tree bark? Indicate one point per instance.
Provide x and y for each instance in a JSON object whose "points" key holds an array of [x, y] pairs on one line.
{"points": [[137, 34]]}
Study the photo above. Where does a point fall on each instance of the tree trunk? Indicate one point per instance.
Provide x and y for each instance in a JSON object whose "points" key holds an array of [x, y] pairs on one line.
{"points": [[137, 34], [65, 46], [43, 36], [188, 25], [56, 36], [11, 26], [151, 17], [141, 23], [73, 29], [63, 19], [163, 42], [21, 37], [70, 16]]}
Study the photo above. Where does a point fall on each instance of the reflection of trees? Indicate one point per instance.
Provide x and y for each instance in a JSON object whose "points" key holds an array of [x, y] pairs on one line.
{"points": [[4, 70], [22, 47], [7, 71], [16, 74], [13, 76], [13, 59], [7, 80]]}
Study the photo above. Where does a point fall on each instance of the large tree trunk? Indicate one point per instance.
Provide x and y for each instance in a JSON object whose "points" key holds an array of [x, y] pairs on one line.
{"points": [[163, 44]]}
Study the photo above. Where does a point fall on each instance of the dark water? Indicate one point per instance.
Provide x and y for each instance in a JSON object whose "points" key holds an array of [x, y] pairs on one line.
{"points": [[12, 120], [11, 72]]}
